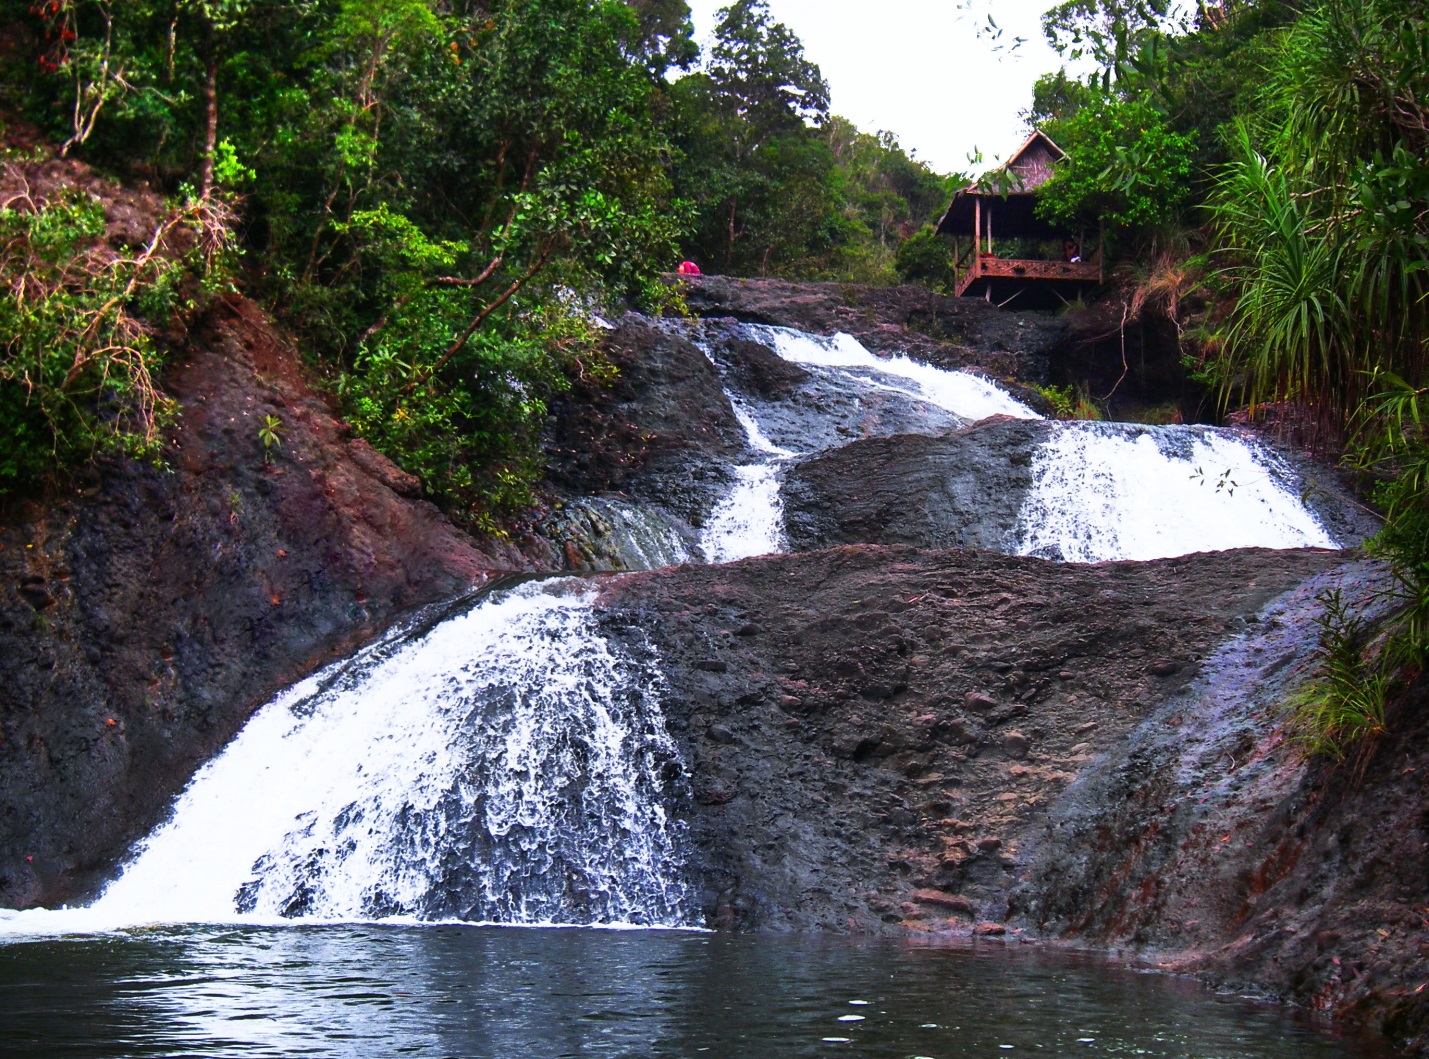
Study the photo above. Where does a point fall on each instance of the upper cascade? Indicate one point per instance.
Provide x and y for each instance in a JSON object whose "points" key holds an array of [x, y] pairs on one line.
{"points": [[1103, 491], [1095, 491], [970, 397]]}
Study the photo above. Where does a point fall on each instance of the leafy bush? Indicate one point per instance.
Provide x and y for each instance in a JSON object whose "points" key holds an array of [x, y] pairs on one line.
{"points": [[1324, 213], [1125, 165], [926, 258], [1346, 703], [1070, 402], [471, 428], [78, 361]]}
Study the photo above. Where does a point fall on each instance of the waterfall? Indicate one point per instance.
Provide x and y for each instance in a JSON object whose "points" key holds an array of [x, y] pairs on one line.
{"points": [[509, 764], [968, 396], [605, 534], [750, 519], [1105, 491]]}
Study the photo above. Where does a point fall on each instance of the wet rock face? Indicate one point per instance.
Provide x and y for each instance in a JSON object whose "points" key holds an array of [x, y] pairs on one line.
{"points": [[1207, 837], [664, 433], [144, 617], [947, 332], [958, 490], [866, 725], [757, 371]]}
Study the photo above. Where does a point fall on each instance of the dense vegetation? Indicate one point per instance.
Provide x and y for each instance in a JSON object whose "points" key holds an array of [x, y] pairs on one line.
{"points": [[433, 193], [1269, 162]]}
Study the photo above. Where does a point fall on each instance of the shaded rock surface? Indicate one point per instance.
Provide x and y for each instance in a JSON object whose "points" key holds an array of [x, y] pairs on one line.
{"points": [[962, 489], [863, 723], [1205, 836], [664, 434], [145, 616]]}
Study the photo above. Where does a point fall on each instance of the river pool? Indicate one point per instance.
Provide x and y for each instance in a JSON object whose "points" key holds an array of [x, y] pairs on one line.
{"points": [[532, 993]]}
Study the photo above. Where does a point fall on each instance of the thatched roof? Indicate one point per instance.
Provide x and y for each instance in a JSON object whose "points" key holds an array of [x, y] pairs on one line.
{"points": [[1031, 166]]}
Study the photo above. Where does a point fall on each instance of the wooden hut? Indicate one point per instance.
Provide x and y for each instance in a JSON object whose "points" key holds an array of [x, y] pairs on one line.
{"points": [[1000, 209]]}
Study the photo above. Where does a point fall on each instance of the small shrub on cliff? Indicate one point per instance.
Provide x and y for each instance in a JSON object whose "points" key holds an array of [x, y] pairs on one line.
{"points": [[1070, 402], [470, 426], [77, 356], [1366, 663], [1346, 703]]}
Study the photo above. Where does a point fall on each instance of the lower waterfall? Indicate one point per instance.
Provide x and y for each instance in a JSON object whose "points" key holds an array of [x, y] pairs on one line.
{"points": [[507, 765]]}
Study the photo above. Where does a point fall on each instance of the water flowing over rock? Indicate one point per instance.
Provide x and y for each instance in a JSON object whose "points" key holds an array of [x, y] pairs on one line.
{"points": [[842, 445], [862, 736], [506, 764], [1113, 491], [598, 534], [862, 722]]}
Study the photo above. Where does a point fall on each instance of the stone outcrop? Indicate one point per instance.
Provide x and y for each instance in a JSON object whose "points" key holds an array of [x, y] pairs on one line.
{"points": [[664, 433], [865, 722], [961, 743], [957, 490]]}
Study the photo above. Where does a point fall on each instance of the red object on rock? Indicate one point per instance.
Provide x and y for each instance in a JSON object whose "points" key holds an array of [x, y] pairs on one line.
{"points": [[688, 268]]}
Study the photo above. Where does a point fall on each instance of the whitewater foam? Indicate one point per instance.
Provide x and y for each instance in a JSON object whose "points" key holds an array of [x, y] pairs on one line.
{"points": [[1104, 491], [507, 765], [968, 396]]}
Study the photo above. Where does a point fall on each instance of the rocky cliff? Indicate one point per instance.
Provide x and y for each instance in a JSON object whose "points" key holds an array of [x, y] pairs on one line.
{"points": [[146, 614]]}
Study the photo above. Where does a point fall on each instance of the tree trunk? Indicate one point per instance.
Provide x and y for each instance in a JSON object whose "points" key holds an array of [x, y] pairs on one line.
{"points": [[210, 128], [729, 247]]}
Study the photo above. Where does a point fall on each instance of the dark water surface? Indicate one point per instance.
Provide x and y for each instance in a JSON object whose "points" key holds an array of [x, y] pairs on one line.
{"points": [[540, 994]]}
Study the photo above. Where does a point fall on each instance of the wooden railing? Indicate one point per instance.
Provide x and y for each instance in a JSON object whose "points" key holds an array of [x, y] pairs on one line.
{"points": [[986, 266]]}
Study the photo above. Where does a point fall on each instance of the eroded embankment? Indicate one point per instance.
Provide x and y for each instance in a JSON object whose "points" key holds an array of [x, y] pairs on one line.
{"points": [[145, 615]]}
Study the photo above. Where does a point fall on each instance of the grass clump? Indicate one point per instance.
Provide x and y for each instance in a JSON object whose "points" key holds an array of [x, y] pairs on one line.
{"points": [[1070, 402], [1345, 704]]}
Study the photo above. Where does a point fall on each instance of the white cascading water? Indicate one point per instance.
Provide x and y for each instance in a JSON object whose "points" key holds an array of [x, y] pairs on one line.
{"points": [[508, 765], [1104, 491], [1101, 491], [968, 396], [750, 519]]}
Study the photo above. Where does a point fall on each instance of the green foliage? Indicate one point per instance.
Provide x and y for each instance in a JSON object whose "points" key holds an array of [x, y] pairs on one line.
{"points": [[470, 430], [1364, 662], [78, 363], [926, 258], [1070, 402], [1346, 702], [1324, 211], [1125, 165], [430, 192], [777, 184], [270, 436], [758, 69]]}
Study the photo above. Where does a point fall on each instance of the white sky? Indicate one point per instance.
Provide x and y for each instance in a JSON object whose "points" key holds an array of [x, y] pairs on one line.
{"points": [[918, 69]]}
